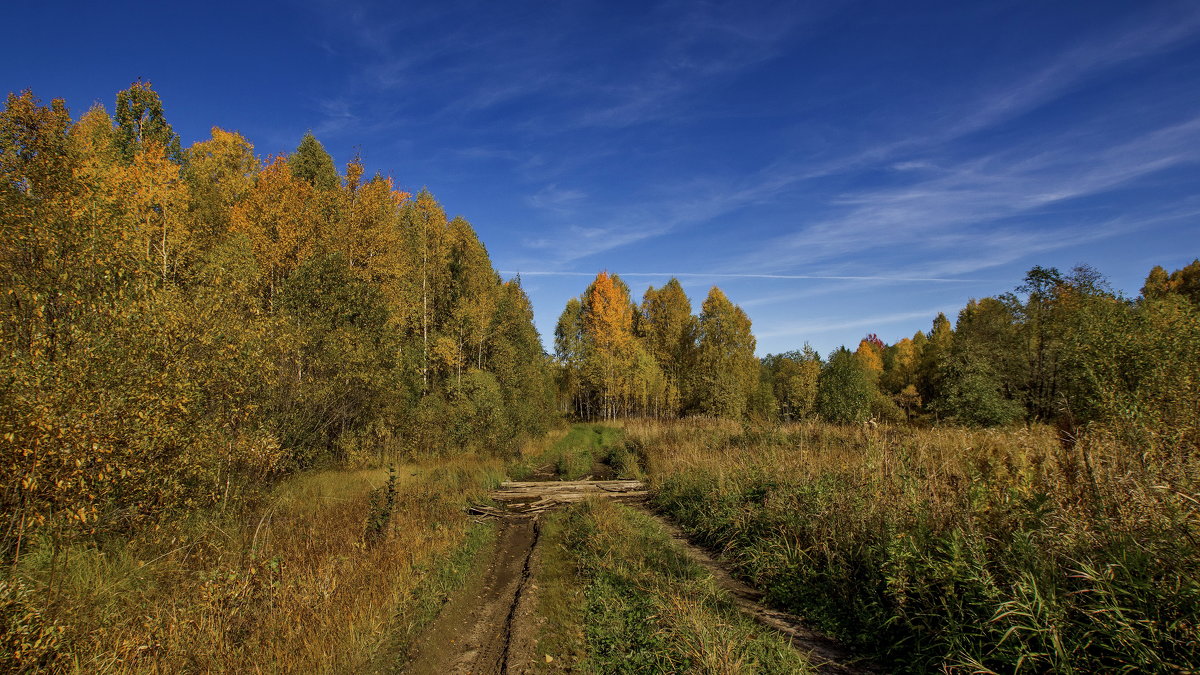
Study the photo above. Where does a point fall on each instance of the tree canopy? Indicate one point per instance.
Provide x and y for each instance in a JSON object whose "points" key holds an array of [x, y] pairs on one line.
{"points": [[179, 322]]}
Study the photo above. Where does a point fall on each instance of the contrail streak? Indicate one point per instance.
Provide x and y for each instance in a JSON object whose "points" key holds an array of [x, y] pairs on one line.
{"points": [[820, 277]]}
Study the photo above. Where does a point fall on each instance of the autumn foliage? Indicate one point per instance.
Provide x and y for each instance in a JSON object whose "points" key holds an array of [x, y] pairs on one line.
{"points": [[655, 359], [182, 325]]}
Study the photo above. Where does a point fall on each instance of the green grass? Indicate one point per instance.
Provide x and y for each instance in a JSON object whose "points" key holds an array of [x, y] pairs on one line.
{"points": [[640, 605], [586, 449], [560, 602]]}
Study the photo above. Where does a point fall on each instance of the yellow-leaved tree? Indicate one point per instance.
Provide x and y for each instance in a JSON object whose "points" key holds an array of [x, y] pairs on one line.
{"points": [[608, 330], [726, 369], [278, 219]]}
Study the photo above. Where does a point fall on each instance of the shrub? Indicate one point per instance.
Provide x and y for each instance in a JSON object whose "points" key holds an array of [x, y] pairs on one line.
{"points": [[844, 390], [29, 641]]}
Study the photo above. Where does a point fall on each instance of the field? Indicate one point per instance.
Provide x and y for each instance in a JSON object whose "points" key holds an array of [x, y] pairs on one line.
{"points": [[979, 551], [330, 572], [921, 549]]}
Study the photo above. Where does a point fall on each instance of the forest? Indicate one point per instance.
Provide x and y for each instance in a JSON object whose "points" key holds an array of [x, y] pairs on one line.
{"points": [[253, 408], [182, 324], [1061, 349]]}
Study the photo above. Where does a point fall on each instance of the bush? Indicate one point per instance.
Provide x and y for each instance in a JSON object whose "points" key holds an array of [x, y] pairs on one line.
{"points": [[884, 409], [971, 395], [844, 390], [29, 641]]}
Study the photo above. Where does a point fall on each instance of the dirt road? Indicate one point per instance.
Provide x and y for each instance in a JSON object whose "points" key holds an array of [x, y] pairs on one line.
{"points": [[488, 627], [474, 632]]}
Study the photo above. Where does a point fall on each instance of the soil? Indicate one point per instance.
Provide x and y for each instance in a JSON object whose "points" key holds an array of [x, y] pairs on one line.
{"points": [[473, 633], [488, 628]]}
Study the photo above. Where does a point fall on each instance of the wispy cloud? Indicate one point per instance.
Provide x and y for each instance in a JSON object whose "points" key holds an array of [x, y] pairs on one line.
{"points": [[576, 241], [998, 100], [490, 57], [986, 204], [960, 217], [944, 194], [336, 115], [697, 44], [821, 325], [913, 165], [554, 198], [1163, 29], [667, 209]]}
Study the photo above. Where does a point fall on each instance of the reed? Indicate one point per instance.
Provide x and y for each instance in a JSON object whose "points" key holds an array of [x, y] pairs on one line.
{"points": [[972, 550]]}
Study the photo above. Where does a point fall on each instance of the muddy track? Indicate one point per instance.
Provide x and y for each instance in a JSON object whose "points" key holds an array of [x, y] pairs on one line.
{"points": [[474, 633], [509, 658], [488, 627]]}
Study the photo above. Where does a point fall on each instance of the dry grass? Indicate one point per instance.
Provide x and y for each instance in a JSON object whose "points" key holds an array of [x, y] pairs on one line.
{"points": [[290, 586], [536, 447], [947, 547]]}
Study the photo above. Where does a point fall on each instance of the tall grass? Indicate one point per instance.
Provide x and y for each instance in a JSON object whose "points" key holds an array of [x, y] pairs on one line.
{"points": [[314, 578], [948, 548]]}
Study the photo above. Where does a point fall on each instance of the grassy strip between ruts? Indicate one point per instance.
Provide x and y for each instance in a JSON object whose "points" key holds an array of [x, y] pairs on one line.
{"points": [[618, 596]]}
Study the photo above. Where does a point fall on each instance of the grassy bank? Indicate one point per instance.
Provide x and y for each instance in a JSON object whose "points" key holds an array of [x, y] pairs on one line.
{"points": [[974, 550], [326, 572], [619, 597]]}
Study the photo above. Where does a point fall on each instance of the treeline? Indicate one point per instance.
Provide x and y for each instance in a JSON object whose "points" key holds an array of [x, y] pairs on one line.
{"points": [[1060, 348], [618, 359], [180, 322]]}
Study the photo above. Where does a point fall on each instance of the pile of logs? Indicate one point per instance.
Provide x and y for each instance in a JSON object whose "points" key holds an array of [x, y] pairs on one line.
{"points": [[536, 496]]}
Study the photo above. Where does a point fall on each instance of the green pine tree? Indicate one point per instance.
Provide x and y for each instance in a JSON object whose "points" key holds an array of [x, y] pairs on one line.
{"points": [[312, 163]]}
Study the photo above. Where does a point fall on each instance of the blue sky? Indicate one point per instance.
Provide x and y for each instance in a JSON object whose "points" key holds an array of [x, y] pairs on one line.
{"points": [[838, 168]]}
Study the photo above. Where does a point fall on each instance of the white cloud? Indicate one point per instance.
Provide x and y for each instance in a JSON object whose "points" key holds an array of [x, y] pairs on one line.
{"points": [[554, 198], [985, 204]]}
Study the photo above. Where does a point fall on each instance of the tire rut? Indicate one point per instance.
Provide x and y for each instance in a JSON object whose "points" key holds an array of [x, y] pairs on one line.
{"points": [[826, 654], [507, 658], [484, 629], [473, 632]]}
